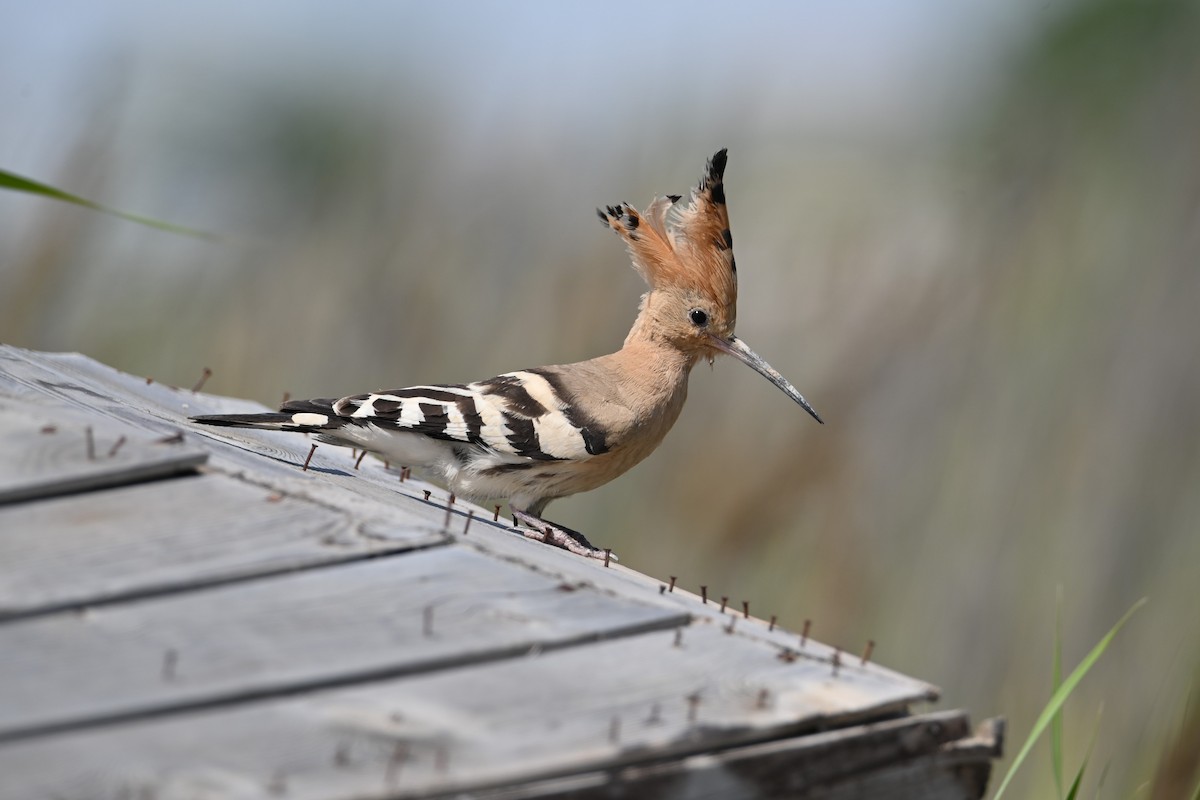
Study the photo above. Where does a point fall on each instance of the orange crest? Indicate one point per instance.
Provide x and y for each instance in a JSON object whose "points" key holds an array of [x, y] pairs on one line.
{"points": [[687, 247]]}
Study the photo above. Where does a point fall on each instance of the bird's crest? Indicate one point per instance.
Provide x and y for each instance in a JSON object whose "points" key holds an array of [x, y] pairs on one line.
{"points": [[687, 246]]}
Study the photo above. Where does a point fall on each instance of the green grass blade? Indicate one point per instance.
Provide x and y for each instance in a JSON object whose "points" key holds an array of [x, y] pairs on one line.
{"points": [[1060, 696], [1056, 724], [1073, 794], [17, 183]]}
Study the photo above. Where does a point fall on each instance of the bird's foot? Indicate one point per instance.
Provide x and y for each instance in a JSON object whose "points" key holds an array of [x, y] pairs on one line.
{"points": [[558, 535]]}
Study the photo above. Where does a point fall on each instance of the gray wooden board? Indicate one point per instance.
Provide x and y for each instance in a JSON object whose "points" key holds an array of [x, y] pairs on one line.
{"points": [[76, 383], [497, 542], [428, 610], [73, 385], [370, 490], [51, 454], [878, 759], [89, 548], [398, 510], [482, 725], [577, 709]]}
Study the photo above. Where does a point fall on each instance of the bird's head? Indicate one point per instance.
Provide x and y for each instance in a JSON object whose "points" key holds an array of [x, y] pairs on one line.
{"points": [[684, 251]]}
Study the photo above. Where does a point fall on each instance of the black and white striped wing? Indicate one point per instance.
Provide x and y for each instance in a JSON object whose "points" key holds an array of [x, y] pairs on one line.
{"points": [[522, 415]]}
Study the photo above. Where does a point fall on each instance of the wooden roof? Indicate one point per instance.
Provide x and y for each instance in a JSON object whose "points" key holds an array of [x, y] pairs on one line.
{"points": [[186, 613]]}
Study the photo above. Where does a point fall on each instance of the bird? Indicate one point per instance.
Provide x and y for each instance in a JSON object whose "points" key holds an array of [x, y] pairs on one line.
{"points": [[535, 435]]}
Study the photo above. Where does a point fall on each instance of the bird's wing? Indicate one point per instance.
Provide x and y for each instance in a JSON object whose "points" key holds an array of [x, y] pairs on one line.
{"points": [[523, 414]]}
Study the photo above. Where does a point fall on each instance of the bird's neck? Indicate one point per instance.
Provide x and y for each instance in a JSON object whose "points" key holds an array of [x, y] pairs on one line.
{"points": [[655, 371]]}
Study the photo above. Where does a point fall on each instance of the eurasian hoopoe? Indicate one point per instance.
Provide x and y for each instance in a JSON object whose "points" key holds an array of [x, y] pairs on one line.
{"points": [[531, 436]]}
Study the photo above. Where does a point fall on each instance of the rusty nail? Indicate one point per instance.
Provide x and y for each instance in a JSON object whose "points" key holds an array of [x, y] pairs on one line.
{"points": [[496, 516], [772, 625], [470, 516], [804, 633], [149, 381], [836, 660], [204, 376], [704, 595], [867, 653], [745, 609], [116, 446], [671, 588], [724, 602], [312, 450], [607, 555]]}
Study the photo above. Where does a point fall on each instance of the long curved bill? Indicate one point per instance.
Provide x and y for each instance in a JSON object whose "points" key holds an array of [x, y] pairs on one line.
{"points": [[742, 352]]}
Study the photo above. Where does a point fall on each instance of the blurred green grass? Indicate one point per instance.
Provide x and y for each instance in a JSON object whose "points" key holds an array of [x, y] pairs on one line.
{"points": [[998, 323]]}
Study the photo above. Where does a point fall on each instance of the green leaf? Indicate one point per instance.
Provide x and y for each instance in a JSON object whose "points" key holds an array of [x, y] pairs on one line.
{"points": [[17, 183], [1060, 696]]}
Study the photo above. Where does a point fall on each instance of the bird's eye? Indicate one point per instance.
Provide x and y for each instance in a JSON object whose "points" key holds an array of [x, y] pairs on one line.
{"points": [[699, 317]]}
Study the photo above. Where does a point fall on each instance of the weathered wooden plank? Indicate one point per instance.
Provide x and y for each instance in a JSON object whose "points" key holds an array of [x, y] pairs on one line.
{"points": [[370, 490], [958, 770], [68, 383], [45, 457], [613, 703], [912, 758], [86, 549], [80, 388], [498, 541], [577, 709], [73, 380], [435, 609]]}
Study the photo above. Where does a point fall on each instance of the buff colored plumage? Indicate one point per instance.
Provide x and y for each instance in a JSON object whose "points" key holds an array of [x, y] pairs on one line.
{"points": [[535, 435]]}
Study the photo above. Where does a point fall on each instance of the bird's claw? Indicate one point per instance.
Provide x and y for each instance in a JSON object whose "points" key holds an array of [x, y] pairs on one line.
{"points": [[558, 535]]}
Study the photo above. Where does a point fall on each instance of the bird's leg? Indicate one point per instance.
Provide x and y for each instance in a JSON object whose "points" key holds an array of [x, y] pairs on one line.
{"points": [[557, 535]]}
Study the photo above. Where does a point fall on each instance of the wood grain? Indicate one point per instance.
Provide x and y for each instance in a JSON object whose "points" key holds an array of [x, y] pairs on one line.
{"points": [[489, 724], [85, 549], [51, 457], [260, 630], [431, 610]]}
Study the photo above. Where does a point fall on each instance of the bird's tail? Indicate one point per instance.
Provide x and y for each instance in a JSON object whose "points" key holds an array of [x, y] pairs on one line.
{"points": [[304, 416]]}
